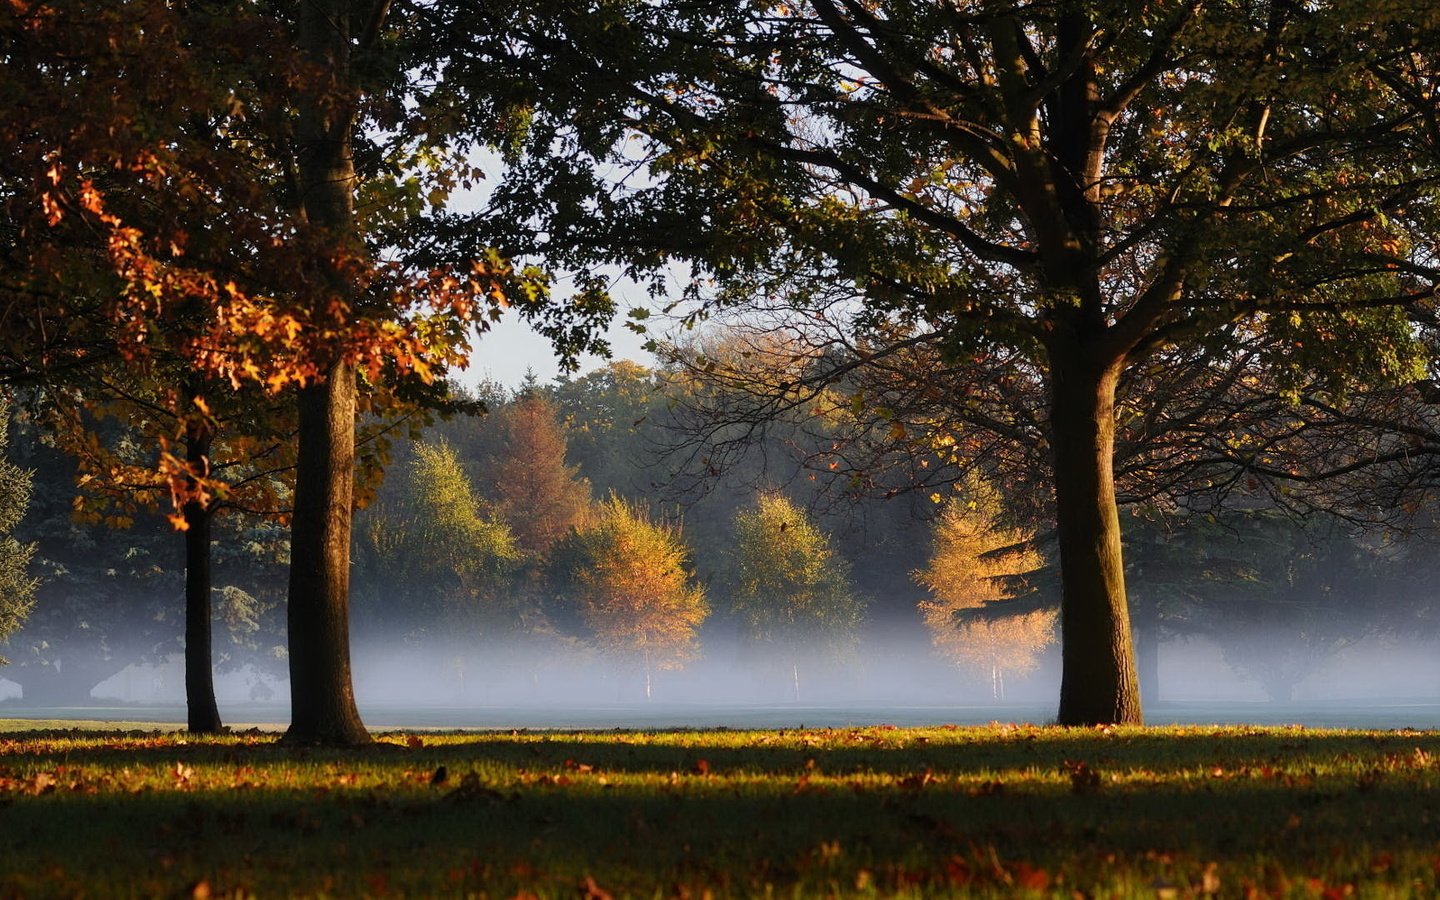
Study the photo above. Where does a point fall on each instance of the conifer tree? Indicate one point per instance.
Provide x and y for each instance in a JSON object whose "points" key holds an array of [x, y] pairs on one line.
{"points": [[17, 587], [975, 564]]}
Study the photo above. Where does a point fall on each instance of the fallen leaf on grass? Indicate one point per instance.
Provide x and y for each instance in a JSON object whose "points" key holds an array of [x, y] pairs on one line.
{"points": [[1030, 878], [1083, 779], [1210, 879], [40, 783], [470, 788]]}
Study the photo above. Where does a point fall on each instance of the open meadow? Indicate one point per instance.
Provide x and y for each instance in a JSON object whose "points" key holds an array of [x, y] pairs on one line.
{"points": [[1000, 810]]}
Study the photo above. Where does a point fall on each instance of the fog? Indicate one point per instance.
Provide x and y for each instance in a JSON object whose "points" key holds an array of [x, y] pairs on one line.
{"points": [[889, 678]]}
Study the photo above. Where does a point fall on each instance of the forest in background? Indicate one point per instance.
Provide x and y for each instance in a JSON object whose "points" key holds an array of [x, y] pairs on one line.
{"points": [[569, 544]]}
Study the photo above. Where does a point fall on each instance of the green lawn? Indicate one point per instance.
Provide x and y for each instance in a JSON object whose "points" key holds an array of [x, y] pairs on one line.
{"points": [[992, 811]]}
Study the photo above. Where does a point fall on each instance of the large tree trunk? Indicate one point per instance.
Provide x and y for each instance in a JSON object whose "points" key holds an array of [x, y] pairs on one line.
{"points": [[1098, 682], [203, 713], [322, 699]]}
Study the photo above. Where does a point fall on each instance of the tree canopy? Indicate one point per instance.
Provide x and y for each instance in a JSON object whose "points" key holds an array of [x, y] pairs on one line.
{"points": [[791, 591], [1086, 192], [629, 578]]}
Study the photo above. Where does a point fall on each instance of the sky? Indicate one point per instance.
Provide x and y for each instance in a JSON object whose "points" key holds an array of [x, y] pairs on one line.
{"points": [[511, 348]]}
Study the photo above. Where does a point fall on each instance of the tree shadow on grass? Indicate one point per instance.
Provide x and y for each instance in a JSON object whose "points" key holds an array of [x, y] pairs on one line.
{"points": [[1075, 810]]}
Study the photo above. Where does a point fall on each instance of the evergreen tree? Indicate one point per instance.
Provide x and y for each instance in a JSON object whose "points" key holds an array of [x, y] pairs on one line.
{"points": [[17, 587], [975, 564]]}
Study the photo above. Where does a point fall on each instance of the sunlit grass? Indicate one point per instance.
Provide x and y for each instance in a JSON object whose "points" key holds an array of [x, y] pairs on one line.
{"points": [[991, 811]]}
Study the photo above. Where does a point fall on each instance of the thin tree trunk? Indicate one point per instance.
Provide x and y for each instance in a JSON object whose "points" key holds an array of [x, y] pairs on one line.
{"points": [[323, 707], [203, 712], [647, 676], [1098, 682]]}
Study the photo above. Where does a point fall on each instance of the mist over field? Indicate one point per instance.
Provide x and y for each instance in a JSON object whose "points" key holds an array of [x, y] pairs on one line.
{"points": [[893, 679]]}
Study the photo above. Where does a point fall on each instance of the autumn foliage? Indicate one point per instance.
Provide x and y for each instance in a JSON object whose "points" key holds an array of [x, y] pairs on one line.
{"points": [[149, 190], [633, 588], [975, 564]]}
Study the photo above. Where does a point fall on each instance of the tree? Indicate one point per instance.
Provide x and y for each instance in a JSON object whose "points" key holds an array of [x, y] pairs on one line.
{"points": [[1282, 599], [975, 564], [237, 459], [113, 568], [790, 589], [17, 587], [436, 562], [107, 598], [627, 577], [610, 417], [273, 167], [541, 496], [1081, 190]]}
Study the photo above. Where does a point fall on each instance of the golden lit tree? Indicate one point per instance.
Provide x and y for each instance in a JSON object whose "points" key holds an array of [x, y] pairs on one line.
{"points": [[974, 564], [790, 588], [437, 563], [633, 590]]}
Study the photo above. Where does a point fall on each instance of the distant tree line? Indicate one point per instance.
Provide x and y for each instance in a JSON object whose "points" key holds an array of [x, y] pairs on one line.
{"points": [[551, 528]]}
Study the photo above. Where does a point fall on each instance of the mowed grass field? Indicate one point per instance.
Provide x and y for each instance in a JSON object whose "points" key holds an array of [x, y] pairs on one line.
{"points": [[990, 811]]}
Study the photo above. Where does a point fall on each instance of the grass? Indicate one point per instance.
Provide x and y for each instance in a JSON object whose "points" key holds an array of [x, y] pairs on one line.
{"points": [[991, 811]]}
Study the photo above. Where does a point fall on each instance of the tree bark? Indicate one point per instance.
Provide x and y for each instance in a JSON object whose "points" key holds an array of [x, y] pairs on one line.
{"points": [[322, 698], [1098, 682], [203, 714]]}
